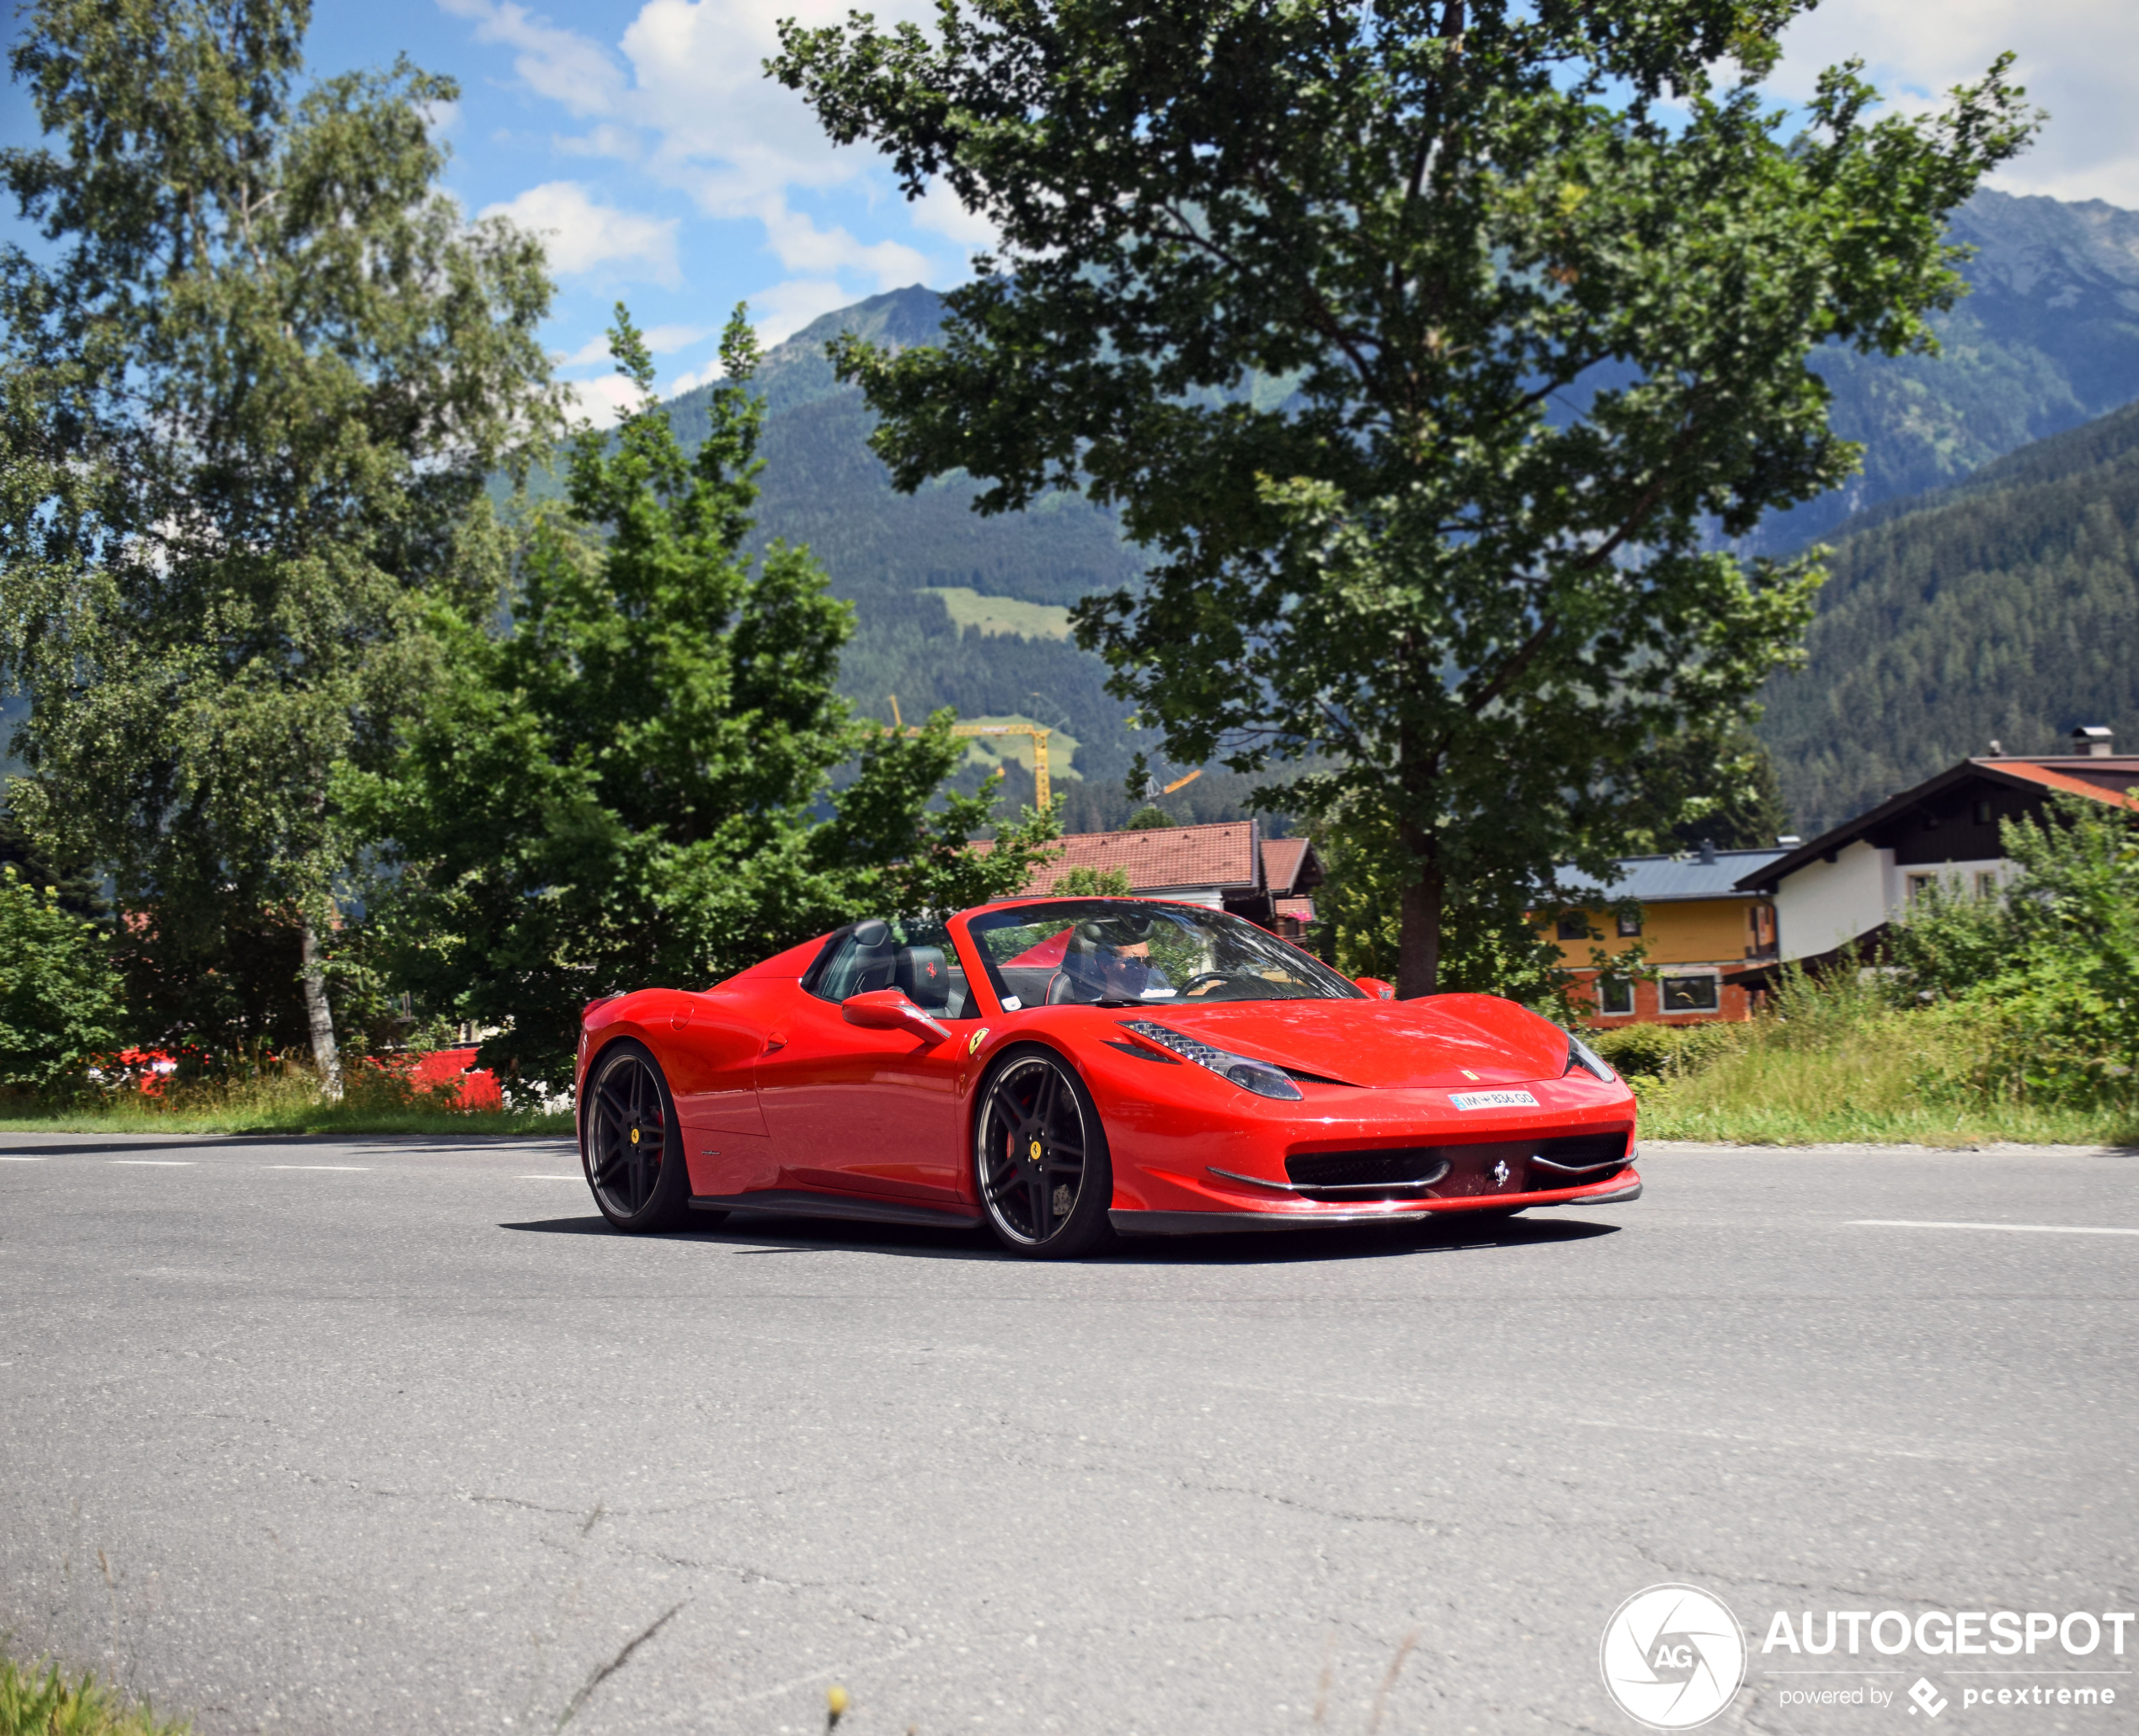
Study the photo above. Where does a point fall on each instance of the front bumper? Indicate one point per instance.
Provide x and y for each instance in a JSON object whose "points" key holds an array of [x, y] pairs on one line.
{"points": [[1618, 1189]]}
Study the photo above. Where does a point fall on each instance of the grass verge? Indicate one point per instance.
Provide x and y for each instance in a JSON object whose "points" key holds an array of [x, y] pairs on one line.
{"points": [[49, 1704], [1847, 1074], [276, 1102]]}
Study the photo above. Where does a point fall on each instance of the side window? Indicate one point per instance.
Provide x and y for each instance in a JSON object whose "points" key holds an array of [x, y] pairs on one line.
{"points": [[915, 958]]}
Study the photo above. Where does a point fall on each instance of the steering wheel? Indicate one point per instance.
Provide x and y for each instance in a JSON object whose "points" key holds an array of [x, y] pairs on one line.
{"points": [[1189, 987]]}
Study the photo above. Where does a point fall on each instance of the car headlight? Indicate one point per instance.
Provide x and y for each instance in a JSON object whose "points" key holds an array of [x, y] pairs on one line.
{"points": [[1260, 1076], [1580, 1054]]}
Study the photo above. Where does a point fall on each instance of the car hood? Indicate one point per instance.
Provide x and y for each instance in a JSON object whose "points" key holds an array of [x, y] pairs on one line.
{"points": [[1442, 1040]]}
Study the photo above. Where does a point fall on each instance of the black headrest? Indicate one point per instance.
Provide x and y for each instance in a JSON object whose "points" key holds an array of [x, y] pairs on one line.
{"points": [[922, 972]]}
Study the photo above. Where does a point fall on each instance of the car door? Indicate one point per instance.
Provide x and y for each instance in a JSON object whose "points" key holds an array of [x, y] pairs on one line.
{"points": [[855, 1110], [716, 1043]]}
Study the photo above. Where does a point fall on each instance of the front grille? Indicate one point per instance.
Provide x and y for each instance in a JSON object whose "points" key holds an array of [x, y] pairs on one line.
{"points": [[1409, 1165], [1587, 1150], [1458, 1171]]}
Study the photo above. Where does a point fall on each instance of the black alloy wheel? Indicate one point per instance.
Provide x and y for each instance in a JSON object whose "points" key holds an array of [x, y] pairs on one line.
{"points": [[1040, 1158], [631, 1145]]}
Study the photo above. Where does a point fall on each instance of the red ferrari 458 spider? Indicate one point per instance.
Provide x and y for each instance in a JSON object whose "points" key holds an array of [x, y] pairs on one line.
{"points": [[1067, 1068]]}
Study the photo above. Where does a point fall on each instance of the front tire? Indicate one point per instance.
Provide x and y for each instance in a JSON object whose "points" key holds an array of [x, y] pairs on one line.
{"points": [[1040, 1158], [631, 1143]]}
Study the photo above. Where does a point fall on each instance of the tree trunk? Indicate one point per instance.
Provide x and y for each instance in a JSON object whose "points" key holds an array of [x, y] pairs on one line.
{"points": [[320, 1017], [1418, 946]]}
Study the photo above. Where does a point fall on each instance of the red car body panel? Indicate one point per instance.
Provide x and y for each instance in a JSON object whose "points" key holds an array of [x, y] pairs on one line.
{"points": [[779, 1096]]}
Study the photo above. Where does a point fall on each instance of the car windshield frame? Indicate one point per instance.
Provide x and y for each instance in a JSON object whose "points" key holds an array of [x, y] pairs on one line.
{"points": [[1038, 924]]}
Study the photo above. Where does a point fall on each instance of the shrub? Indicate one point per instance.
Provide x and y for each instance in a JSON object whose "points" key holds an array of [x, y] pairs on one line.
{"points": [[1082, 882], [59, 996], [2054, 965], [1661, 1051]]}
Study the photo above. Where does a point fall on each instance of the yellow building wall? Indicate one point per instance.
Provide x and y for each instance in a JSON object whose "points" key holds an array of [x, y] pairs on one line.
{"points": [[1697, 931]]}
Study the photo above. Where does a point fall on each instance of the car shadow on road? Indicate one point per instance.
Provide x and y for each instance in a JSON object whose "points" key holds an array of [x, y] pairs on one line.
{"points": [[767, 1234]]}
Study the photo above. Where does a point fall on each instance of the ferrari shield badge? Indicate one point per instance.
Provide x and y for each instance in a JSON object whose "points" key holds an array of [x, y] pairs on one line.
{"points": [[974, 1041]]}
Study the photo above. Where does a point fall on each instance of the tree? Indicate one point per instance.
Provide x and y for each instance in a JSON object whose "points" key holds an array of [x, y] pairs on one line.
{"points": [[1085, 883], [267, 372], [59, 1000], [2054, 963], [634, 786], [1720, 779], [1429, 347]]}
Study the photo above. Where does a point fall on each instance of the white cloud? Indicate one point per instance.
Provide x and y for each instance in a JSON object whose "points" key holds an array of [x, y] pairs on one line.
{"points": [[604, 402], [729, 135], [602, 140], [660, 340], [786, 307], [581, 235], [801, 246], [2076, 60], [945, 214], [562, 64]]}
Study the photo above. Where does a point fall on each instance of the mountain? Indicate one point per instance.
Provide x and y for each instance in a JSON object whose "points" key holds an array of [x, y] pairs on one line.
{"points": [[2048, 338], [2005, 608]]}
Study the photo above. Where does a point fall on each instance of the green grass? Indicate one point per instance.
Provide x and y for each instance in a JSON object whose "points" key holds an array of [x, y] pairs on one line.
{"points": [[275, 1103], [48, 1704], [1847, 1072], [992, 615]]}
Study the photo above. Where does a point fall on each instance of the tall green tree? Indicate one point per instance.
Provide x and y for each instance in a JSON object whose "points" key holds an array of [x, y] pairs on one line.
{"points": [[59, 995], [635, 785], [1427, 345], [266, 368]]}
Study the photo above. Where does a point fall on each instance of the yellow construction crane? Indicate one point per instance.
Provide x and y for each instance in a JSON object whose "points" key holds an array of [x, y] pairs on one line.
{"points": [[1040, 788]]}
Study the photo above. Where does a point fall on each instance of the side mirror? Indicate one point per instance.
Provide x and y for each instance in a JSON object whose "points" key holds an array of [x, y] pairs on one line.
{"points": [[889, 1009], [1376, 988]]}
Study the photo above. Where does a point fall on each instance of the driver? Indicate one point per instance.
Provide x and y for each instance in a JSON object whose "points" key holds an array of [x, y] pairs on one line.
{"points": [[1115, 967]]}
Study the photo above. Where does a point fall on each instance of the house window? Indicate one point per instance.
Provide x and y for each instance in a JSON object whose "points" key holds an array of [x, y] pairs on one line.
{"points": [[1574, 927], [1629, 925], [1691, 994], [1983, 812], [1615, 997], [1921, 884], [1986, 882]]}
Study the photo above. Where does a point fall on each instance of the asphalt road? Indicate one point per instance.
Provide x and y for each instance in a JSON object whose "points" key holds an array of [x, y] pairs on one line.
{"points": [[390, 1436]]}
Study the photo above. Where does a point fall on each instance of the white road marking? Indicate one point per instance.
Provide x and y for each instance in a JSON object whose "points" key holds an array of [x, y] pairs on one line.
{"points": [[20, 1160], [2037, 1229], [156, 1163], [343, 1168]]}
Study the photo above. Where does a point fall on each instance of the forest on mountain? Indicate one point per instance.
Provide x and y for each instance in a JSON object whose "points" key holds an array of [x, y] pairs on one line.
{"points": [[2002, 609]]}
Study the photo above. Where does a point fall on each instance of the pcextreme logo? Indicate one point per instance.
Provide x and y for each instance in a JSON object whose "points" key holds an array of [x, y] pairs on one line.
{"points": [[1672, 1656]]}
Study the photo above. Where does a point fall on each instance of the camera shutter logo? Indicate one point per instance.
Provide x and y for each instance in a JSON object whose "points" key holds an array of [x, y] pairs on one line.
{"points": [[1672, 1656]]}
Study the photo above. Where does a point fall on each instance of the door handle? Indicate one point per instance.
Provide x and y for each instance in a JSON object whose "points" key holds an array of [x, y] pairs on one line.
{"points": [[774, 1041]]}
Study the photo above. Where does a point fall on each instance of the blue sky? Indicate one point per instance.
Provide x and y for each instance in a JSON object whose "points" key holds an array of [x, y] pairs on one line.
{"points": [[640, 137]]}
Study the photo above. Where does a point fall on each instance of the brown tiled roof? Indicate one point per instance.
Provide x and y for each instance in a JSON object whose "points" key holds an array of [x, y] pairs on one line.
{"points": [[1281, 858], [1165, 858], [2050, 777]]}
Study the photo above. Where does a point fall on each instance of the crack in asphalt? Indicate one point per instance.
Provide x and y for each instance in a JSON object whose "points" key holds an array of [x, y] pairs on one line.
{"points": [[607, 1671]]}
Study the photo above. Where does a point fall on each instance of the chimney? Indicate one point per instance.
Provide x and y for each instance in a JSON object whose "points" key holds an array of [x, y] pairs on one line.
{"points": [[2092, 741], [1708, 853]]}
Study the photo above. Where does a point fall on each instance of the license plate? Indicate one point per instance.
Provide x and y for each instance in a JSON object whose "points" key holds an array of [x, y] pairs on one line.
{"points": [[1493, 1099]]}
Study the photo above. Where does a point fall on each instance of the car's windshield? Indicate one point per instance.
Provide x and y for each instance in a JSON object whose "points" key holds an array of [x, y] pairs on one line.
{"points": [[1124, 953]]}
